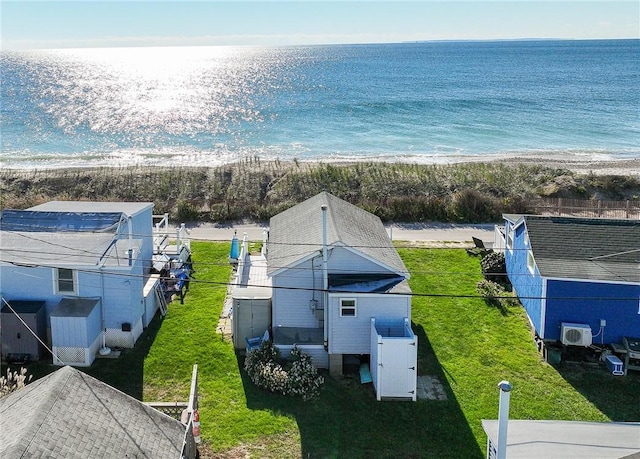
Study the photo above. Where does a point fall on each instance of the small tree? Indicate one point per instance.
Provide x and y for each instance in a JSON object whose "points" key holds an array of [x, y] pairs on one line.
{"points": [[13, 381]]}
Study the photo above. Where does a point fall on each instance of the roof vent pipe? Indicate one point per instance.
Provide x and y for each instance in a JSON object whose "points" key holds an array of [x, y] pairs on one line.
{"points": [[130, 228], [324, 246], [325, 276], [503, 418]]}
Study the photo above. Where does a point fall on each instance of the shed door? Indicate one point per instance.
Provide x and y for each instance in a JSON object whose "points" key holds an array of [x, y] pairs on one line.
{"points": [[251, 319], [16, 339], [398, 372]]}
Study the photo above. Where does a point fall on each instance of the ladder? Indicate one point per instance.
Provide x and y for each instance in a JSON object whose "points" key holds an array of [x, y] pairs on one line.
{"points": [[160, 298]]}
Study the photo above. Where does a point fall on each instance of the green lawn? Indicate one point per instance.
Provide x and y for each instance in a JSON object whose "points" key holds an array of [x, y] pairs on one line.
{"points": [[468, 345]]}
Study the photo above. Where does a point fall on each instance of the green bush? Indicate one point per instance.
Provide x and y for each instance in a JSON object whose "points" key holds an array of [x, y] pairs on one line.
{"points": [[473, 206], [495, 295], [494, 268], [296, 377], [186, 211]]}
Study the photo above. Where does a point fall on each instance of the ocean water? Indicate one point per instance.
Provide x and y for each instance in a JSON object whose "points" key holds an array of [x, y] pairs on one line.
{"points": [[432, 102]]}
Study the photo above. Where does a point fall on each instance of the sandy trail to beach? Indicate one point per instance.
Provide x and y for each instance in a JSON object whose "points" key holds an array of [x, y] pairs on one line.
{"points": [[456, 234]]}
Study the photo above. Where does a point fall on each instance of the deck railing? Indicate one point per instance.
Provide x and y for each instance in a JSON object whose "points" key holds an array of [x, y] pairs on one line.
{"points": [[628, 209], [162, 235]]}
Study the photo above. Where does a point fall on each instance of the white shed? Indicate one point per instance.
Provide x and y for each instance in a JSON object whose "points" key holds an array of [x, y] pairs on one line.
{"points": [[75, 331], [394, 359], [251, 314]]}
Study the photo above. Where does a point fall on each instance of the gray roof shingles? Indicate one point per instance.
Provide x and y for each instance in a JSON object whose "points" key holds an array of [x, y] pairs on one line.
{"points": [[69, 414], [585, 248], [297, 233]]}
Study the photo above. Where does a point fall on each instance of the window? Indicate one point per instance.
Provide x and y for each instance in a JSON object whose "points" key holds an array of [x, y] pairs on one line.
{"points": [[65, 280], [531, 263], [510, 231], [347, 308]]}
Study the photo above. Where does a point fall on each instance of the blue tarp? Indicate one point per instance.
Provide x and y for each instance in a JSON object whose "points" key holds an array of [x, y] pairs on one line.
{"points": [[37, 221]]}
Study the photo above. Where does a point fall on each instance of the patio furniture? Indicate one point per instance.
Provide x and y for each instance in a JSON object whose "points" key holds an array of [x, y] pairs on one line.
{"points": [[255, 343]]}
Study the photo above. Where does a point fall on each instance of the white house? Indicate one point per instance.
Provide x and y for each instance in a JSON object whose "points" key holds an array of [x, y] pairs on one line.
{"points": [[338, 290], [91, 264]]}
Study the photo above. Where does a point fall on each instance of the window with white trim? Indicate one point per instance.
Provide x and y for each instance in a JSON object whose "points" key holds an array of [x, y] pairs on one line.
{"points": [[347, 307], [510, 231], [531, 262], [66, 281]]}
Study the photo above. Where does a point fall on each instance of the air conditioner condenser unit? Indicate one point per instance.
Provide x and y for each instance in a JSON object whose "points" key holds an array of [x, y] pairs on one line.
{"points": [[575, 334]]}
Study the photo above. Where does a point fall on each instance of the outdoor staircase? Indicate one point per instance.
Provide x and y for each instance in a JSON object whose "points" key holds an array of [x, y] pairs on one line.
{"points": [[160, 298]]}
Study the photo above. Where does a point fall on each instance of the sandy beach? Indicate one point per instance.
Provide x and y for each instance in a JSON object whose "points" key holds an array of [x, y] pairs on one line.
{"points": [[608, 167]]}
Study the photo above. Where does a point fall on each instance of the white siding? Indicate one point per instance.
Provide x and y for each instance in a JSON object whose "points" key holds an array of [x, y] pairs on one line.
{"points": [[352, 335], [290, 306], [342, 260], [319, 357]]}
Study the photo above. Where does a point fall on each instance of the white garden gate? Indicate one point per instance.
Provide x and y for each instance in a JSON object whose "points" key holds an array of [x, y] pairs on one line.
{"points": [[394, 359]]}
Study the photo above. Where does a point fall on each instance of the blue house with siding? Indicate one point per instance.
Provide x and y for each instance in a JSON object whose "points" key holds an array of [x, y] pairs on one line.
{"points": [[577, 278], [91, 264]]}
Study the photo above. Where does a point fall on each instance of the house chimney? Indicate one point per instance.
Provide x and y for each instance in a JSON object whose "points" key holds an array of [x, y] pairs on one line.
{"points": [[503, 418]]}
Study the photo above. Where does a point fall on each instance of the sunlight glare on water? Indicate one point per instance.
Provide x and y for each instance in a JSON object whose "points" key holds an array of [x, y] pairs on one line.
{"points": [[143, 91]]}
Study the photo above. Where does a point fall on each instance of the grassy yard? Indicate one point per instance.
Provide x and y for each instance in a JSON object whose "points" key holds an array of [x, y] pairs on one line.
{"points": [[468, 345]]}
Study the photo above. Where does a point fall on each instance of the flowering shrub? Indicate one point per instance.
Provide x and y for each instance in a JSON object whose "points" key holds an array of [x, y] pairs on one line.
{"points": [[13, 381], [299, 377], [304, 380]]}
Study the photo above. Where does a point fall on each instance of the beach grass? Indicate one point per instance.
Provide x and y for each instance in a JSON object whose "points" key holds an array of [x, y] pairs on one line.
{"points": [[466, 344], [255, 190]]}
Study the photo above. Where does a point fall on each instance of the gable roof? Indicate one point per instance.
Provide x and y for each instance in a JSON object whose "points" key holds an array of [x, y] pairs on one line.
{"points": [[69, 414], [585, 248], [296, 233]]}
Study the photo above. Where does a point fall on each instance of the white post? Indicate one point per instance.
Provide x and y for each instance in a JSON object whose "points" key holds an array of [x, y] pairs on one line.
{"points": [[325, 276], [503, 418]]}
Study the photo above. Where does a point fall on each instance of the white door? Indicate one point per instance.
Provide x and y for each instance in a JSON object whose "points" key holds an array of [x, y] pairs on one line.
{"points": [[398, 372]]}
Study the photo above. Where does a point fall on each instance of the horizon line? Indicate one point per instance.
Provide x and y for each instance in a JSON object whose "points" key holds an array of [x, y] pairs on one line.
{"points": [[440, 40]]}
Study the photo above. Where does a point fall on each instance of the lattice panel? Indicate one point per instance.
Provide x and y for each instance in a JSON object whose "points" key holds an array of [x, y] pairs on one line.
{"points": [[71, 354], [118, 338]]}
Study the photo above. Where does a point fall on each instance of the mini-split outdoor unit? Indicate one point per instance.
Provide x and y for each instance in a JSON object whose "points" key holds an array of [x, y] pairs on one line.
{"points": [[575, 334]]}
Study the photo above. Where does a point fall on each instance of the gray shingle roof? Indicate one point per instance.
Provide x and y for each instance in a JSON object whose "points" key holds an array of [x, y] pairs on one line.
{"points": [[297, 233], [585, 248], [69, 414]]}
